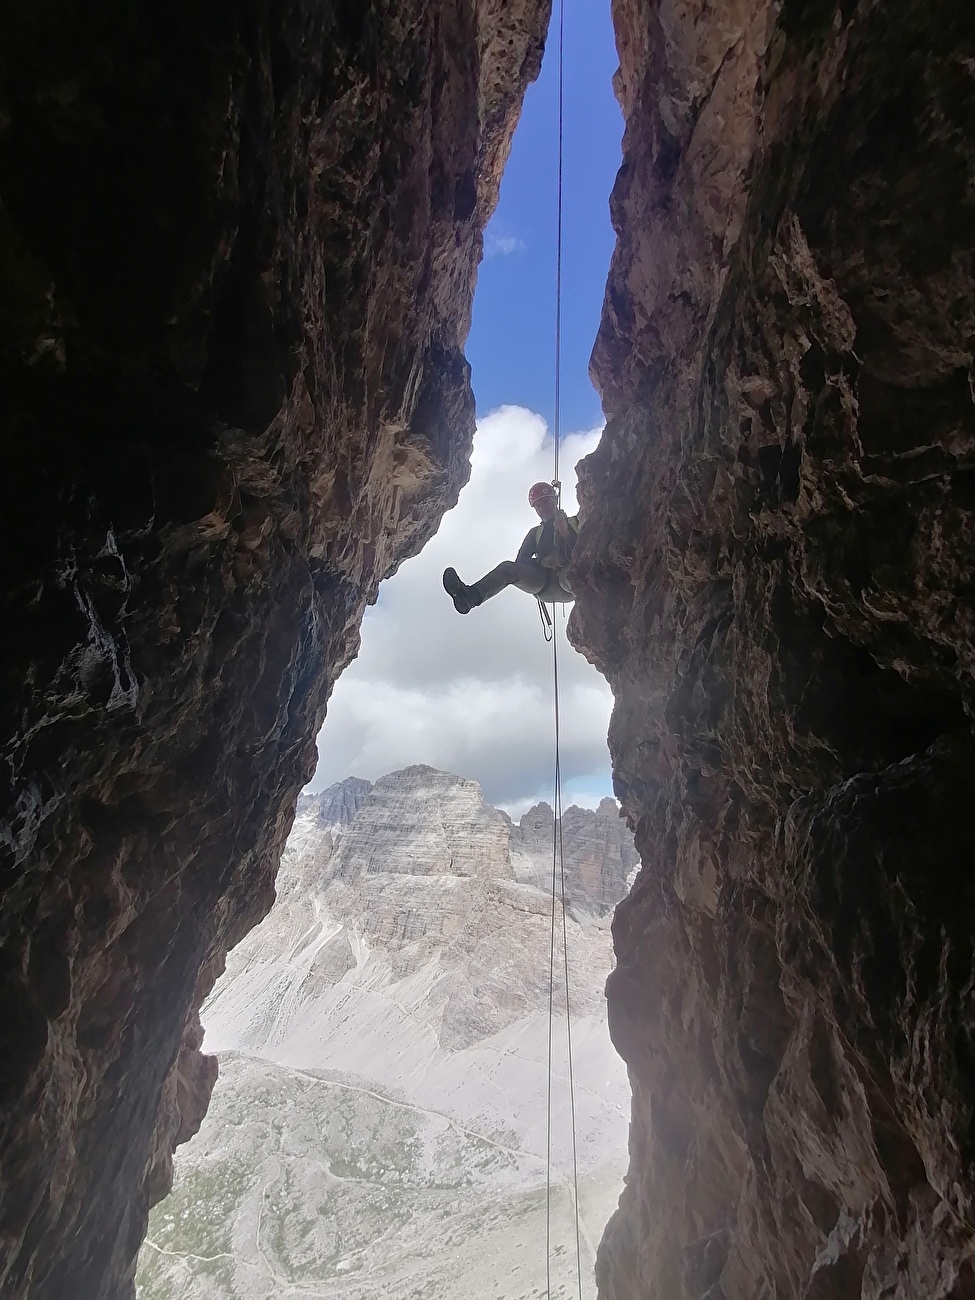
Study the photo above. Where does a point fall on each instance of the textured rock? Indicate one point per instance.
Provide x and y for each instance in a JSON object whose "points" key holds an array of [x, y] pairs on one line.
{"points": [[237, 249], [435, 882], [319, 818], [775, 576], [421, 822], [421, 881], [397, 1144], [305, 1184], [334, 807], [597, 850]]}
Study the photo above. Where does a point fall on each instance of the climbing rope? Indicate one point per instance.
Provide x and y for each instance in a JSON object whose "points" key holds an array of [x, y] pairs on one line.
{"points": [[557, 414], [559, 903], [550, 631]]}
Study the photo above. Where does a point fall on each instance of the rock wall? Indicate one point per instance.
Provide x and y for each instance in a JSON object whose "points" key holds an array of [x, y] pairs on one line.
{"points": [[386, 1058], [426, 899], [776, 574], [597, 848], [237, 250], [336, 806]]}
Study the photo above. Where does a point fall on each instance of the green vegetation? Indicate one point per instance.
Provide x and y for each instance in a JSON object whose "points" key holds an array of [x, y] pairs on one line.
{"points": [[294, 1181], [197, 1218]]}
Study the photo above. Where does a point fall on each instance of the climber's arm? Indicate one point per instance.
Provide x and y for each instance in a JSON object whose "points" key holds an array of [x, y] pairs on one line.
{"points": [[567, 527], [566, 531], [526, 551]]}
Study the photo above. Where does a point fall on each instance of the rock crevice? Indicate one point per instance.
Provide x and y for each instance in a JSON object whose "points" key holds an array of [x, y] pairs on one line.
{"points": [[238, 249]]}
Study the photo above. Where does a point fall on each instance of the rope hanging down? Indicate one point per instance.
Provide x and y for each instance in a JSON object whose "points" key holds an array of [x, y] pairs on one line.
{"points": [[550, 631], [557, 414], [559, 902]]}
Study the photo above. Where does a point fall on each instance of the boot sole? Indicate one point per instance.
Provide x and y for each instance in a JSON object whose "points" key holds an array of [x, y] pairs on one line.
{"points": [[456, 590]]}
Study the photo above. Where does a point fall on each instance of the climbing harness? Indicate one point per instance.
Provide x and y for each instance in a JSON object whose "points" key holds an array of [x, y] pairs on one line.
{"points": [[550, 632]]}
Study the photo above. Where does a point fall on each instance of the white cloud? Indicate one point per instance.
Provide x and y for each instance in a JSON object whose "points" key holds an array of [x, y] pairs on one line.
{"points": [[497, 245], [473, 694]]}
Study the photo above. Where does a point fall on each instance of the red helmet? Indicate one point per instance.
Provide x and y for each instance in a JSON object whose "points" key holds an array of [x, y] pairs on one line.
{"points": [[539, 490]]}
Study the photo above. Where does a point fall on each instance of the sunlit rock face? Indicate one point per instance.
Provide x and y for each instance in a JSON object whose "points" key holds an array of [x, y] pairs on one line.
{"points": [[422, 874], [776, 575], [407, 928], [238, 252], [380, 1125], [597, 854]]}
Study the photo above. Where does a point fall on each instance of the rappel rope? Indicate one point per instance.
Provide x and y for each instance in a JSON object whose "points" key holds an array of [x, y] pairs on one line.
{"points": [[558, 898], [558, 259], [550, 632]]}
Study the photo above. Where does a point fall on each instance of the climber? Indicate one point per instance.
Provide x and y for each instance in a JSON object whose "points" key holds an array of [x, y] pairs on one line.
{"points": [[541, 567]]}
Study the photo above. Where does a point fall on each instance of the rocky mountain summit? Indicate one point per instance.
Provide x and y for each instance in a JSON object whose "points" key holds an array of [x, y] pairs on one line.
{"points": [[439, 888], [383, 1039], [599, 853]]}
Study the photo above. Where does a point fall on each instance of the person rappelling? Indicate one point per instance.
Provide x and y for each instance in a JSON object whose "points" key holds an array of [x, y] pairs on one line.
{"points": [[541, 567]]}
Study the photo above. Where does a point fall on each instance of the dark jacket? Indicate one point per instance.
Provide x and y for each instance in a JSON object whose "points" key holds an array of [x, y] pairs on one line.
{"points": [[545, 548]]}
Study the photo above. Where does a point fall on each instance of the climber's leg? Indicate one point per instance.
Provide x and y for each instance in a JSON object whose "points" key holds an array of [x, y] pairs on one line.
{"points": [[464, 597], [528, 577]]}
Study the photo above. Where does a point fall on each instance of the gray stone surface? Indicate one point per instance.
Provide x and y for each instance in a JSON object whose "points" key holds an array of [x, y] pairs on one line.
{"points": [[379, 1125], [774, 573], [598, 851]]}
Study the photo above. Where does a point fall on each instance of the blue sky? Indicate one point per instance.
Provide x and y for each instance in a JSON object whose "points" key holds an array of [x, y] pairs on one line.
{"points": [[511, 345], [472, 694]]}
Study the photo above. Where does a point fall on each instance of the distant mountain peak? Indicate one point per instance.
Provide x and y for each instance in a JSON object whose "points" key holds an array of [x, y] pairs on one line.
{"points": [[336, 805], [415, 881], [422, 776], [599, 853], [386, 1044], [422, 821]]}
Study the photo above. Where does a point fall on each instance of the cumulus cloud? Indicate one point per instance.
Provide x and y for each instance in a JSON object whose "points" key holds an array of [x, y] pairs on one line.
{"points": [[498, 245], [473, 694]]}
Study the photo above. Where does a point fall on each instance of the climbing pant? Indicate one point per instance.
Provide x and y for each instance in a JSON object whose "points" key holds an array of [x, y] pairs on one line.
{"points": [[547, 585]]}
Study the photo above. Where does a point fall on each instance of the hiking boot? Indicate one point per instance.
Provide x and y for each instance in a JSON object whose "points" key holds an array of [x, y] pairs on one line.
{"points": [[464, 597]]}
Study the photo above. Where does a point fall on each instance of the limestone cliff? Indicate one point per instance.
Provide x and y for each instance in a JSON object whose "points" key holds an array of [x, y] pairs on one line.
{"points": [[427, 881], [597, 849], [438, 886], [776, 576], [237, 250], [379, 1128]]}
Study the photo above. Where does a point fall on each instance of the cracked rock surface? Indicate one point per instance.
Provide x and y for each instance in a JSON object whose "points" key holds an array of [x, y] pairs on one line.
{"points": [[775, 572], [237, 252]]}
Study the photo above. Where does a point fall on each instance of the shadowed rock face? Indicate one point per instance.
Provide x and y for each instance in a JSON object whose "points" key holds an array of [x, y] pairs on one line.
{"points": [[776, 577], [237, 251]]}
